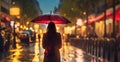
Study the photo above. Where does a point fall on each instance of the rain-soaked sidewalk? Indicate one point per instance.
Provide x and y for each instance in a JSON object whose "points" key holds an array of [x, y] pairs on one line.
{"points": [[35, 53]]}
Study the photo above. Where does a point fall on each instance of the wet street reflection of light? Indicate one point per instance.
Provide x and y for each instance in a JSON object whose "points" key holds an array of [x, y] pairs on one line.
{"points": [[79, 55], [17, 53], [70, 53], [37, 57], [35, 53]]}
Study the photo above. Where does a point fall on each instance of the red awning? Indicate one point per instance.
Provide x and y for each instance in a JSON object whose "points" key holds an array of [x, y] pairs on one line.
{"points": [[8, 19], [100, 17], [109, 14], [117, 15]]}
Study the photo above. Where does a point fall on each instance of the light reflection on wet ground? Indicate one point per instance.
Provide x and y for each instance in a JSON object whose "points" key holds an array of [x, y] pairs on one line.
{"points": [[35, 53], [73, 54]]}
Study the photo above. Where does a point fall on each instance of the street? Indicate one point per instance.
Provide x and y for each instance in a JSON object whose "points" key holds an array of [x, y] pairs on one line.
{"points": [[35, 53]]}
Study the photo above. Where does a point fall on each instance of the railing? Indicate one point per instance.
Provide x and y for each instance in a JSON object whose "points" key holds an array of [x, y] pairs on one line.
{"points": [[102, 49]]}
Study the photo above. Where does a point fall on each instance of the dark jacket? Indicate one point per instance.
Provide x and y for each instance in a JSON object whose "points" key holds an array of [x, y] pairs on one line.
{"points": [[52, 44]]}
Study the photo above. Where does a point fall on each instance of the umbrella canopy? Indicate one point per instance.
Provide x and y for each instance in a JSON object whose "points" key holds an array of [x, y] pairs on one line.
{"points": [[45, 19]]}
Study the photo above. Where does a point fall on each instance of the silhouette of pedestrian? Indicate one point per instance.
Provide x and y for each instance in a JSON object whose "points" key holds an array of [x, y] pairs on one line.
{"points": [[33, 38], [8, 36], [27, 39], [39, 37], [1, 40], [1, 43], [7, 44], [51, 43]]}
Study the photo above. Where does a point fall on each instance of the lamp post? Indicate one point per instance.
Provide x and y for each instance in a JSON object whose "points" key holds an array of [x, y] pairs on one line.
{"points": [[114, 34], [14, 11]]}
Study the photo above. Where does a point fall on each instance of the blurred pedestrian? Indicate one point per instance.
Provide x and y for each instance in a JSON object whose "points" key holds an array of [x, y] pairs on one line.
{"points": [[27, 39], [8, 40], [8, 37], [39, 37], [51, 43], [1, 40], [1, 43], [33, 38], [118, 41]]}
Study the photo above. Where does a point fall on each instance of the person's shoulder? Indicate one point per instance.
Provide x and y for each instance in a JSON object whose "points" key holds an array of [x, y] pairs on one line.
{"points": [[57, 32]]}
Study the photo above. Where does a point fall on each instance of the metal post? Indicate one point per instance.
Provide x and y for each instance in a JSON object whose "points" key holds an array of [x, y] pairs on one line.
{"points": [[114, 15], [113, 34], [105, 18], [14, 36], [75, 29]]}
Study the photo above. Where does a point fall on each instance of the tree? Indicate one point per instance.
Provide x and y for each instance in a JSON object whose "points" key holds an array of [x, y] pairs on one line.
{"points": [[73, 10], [27, 8]]}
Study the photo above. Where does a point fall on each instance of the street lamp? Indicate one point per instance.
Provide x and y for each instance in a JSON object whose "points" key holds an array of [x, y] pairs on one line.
{"points": [[14, 11], [78, 23]]}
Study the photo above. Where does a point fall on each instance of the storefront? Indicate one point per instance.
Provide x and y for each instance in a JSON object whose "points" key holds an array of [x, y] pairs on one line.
{"points": [[99, 22]]}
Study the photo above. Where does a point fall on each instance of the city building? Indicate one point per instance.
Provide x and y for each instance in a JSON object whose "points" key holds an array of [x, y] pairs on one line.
{"points": [[99, 19], [4, 11]]}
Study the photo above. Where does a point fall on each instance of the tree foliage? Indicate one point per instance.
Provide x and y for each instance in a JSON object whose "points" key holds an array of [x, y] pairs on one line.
{"points": [[74, 9], [28, 9]]}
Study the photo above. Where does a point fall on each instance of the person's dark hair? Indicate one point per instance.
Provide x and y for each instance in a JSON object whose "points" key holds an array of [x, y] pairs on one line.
{"points": [[51, 28]]}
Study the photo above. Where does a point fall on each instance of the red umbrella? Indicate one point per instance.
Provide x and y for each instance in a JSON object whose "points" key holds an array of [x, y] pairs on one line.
{"points": [[45, 19]]}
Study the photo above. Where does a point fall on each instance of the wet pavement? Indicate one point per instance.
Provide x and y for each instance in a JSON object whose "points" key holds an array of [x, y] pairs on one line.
{"points": [[35, 53]]}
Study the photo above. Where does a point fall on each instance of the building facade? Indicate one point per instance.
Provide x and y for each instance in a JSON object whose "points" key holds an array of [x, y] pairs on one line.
{"points": [[4, 11]]}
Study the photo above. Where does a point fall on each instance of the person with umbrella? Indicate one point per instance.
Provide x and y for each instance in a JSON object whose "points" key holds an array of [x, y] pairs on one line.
{"points": [[51, 43]]}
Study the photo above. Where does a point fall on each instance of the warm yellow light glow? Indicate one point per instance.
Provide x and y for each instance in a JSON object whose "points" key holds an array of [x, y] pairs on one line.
{"points": [[40, 31], [36, 30], [83, 28], [84, 13], [24, 27], [72, 9], [17, 54], [79, 22], [99, 28], [13, 3], [77, 36], [27, 23], [64, 14], [31, 28], [17, 24], [18, 17], [37, 57], [36, 26], [57, 28], [14, 11], [21, 26], [27, 28], [69, 30]]}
